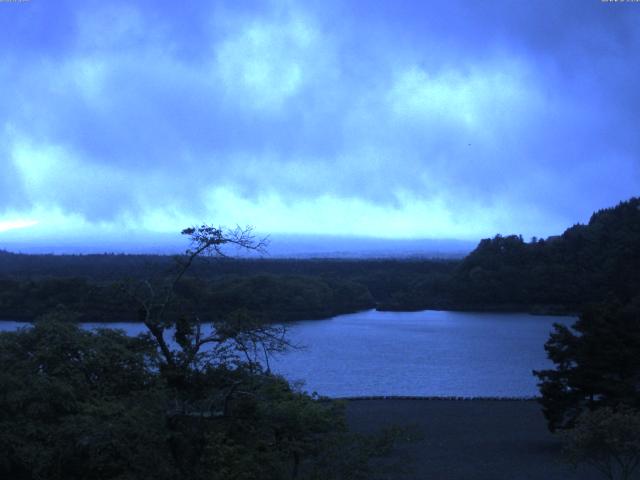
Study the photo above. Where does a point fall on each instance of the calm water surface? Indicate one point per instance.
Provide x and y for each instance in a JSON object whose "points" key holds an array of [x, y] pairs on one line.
{"points": [[431, 353]]}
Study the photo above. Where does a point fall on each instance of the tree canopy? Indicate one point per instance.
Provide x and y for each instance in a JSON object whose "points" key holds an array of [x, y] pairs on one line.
{"points": [[177, 402], [597, 364]]}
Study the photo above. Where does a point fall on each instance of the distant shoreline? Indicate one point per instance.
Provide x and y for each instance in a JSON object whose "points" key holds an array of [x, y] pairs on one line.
{"points": [[435, 397], [552, 310], [492, 309]]}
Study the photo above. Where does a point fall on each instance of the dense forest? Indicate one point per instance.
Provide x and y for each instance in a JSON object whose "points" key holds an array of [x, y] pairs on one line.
{"points": [[587, 264], [94, 286], [174, 402], [590, 263]]}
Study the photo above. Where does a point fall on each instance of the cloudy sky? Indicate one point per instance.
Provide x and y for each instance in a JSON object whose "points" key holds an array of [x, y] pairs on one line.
{"points": [[438, 119]]}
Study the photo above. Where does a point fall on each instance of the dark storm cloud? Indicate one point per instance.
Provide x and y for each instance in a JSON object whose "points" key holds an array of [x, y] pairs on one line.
{"points": [[521, 115]]}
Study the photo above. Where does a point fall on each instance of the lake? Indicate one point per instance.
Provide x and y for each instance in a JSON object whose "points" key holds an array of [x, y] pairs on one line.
{"points": [[427, 353]]}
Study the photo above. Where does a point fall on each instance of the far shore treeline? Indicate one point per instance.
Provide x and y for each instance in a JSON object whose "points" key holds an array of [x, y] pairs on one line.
{"points": [[597, 262]]}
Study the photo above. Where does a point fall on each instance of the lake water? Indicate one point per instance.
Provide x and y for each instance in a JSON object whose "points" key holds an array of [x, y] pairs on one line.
{"points": [[428, 353]]}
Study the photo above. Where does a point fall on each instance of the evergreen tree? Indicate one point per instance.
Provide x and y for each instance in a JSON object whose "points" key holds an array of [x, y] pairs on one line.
{"points": [[597, 364]]}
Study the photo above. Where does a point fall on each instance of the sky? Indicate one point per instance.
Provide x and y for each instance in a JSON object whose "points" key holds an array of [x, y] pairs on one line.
{"points": [[391, 119]]}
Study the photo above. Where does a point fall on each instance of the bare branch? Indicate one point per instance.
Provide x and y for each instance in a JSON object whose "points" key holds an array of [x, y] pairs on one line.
{"points": [[227, 340]]}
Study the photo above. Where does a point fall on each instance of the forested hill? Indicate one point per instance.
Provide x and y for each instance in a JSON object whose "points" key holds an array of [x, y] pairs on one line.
{"points": [[277, 289], [589, 263]]}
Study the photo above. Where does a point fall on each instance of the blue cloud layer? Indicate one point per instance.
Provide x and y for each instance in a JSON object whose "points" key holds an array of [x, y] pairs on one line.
{"points": [[408, 118]]}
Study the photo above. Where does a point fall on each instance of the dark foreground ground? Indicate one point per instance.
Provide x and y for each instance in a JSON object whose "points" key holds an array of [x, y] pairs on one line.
{"points": [[466, 440]]}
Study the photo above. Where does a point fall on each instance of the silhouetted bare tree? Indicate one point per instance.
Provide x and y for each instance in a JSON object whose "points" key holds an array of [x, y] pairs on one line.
{"points": [[185, 340]]}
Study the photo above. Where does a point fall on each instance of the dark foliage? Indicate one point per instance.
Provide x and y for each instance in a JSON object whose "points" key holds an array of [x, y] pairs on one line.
{"points": [[76, 404], [606, 439], [597, 364], [277, 290], [188, 399], [598, 262]]}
